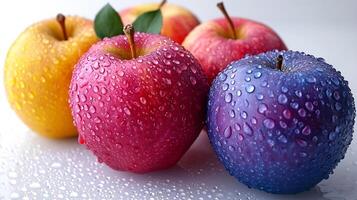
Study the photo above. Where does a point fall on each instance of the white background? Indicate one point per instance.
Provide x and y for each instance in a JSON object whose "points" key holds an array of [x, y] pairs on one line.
{"points": [[32, 167]]}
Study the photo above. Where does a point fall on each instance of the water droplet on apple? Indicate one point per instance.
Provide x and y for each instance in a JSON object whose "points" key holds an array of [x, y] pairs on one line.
{"points": [[283, 139], [268, 123], [103, 90], [262, 108], [294, 105], [239, 93], [298, 93], [225, 87], [223, 76], [247, 129], [282, 99], [127, 111], [301, 142], [244, 115], [302, 112], [228, 132], [284, 89], [228, 97], [257, 74], [309, 106], [250, 88], [260, 96]]}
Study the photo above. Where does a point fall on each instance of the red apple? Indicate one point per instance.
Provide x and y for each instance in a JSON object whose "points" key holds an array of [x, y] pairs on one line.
{"points": [[218, 42], [138, 111], [177, 20]]}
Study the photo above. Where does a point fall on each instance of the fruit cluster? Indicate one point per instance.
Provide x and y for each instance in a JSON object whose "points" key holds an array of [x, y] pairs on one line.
{"points": [[278, 120]]}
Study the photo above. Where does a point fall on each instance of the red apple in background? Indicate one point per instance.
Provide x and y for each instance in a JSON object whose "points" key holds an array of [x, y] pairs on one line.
{"points": [[177, 20], [218, 42], [138, 111]]}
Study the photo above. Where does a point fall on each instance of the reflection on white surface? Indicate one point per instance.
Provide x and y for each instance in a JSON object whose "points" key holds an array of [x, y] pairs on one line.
{"points": [[32, 167]]}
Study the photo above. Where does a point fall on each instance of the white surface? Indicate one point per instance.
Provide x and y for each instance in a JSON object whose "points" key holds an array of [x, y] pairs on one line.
{"points": [[32, 167]]}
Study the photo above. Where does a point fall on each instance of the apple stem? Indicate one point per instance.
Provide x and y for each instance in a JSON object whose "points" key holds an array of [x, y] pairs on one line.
{"points": [[163, 2], [61, 19], [221, 7], [279, 62], [129, 32]]}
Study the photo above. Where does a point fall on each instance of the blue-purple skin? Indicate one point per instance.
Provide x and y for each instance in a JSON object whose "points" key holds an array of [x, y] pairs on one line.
{"points": [[281, 131]]}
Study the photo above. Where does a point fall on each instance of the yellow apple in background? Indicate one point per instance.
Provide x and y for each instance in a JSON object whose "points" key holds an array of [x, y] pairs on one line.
{"points": [[38, 70], [177, 20]]}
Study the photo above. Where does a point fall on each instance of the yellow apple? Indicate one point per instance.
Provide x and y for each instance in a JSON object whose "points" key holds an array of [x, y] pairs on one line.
{"points": [[38, 70]]}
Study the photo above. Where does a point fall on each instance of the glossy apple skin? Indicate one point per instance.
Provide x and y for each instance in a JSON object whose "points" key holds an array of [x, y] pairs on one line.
{"points": [[38, 70], [178, 21], [280, 131], [211, 43], [141, 114]]}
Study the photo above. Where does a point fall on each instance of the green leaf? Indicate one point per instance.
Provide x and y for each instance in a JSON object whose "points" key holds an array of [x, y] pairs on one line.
{"points": [[107, 22], [149, 22]]}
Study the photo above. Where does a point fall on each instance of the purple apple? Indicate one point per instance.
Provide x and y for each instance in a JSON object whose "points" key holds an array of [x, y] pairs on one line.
{"points": [[280, 121]]}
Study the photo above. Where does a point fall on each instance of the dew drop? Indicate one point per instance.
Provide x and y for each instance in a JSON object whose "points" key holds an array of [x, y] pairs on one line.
{"points": [[223, 76], [247, 129], [244, 115], [309, 106], [228, 132], [143, 100], [298, 93], [332, 135], [262, 108], [268, 123], [97, 120], [193, 80], [231, 148], [260, 96], [306, 130], [311, 79], [232, 113], [302, 112], [282, 139], [56, 165], [338, 106], [127, 111], [92, 109], [250, 88], [282, 99], [225, 87], [257, 74], [294, 105], [301, 142], [303, 154], [284, 89], [103, 90], [336, 95], [287, 114], [228, 97], [239, 93]]}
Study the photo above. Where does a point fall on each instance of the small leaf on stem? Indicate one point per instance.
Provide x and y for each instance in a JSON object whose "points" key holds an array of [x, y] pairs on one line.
{"points": [[149, 22], [107, 22]]}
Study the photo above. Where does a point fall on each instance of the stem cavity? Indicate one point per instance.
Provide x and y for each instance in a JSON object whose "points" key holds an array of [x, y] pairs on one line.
{"points": [[221, 7], [129, 32], [61, 19], [279, 62]]}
